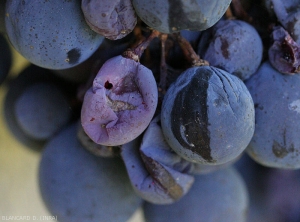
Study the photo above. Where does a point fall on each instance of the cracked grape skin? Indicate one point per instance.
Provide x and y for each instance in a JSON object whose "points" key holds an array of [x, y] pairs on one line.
{"points": [[121, 103], [50, 34], [218, 196], [77, 186], [176, 15], [276, 141], [208, 116], [235, 47]]}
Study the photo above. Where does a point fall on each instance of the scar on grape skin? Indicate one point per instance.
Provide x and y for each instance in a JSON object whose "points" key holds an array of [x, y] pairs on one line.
{"points": [[73, 56], [118, 105], [281, 151]]}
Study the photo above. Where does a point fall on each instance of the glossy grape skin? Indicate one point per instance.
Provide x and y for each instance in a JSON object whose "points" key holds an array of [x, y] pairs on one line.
{"points": [[113, 19], [51, 34], [121, 103], [235, 47], [40, 115], [78, 186], [276, 138], [176, 15], [208, 116], [219, 196]]}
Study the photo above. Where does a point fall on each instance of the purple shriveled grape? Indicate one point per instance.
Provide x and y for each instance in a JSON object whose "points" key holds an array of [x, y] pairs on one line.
{"points": [[284, 54], [121, 103], [113, 19], [152, 180]]}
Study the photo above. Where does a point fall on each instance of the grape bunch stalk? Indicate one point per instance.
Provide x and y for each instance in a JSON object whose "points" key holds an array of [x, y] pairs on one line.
{"points": [[156, 105]]}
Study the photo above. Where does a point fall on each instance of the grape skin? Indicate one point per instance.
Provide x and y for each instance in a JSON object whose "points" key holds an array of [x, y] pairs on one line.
{"points": [[176, 15], [121, 103], [78, 186], [218, 196], [235, 47], [113, 19], [276, 138], [208, 116], [50, 34]]}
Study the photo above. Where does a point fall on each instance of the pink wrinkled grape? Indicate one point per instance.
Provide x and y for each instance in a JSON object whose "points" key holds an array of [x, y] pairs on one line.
{"points": [[120, 104]]}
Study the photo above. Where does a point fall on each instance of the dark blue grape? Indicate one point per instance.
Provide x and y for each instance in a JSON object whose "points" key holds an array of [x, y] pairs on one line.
{"points": [[276, 141], [26, 127], [176, 15], [208, 116], [50, 34], [39, 115], [235, 47], [219, 196], [78, 186]]}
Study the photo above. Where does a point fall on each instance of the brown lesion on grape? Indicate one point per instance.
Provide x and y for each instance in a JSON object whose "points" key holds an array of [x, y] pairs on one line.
{"points": [[118, 105]]}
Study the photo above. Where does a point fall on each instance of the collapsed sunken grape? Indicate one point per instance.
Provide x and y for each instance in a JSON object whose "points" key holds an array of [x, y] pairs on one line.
{"points": [[208, 116], [113, 19], [50, 34], [220, 196], [176, 15], [151, 180], [276, 141], [121, 103], [78, 186], [235, 47]]}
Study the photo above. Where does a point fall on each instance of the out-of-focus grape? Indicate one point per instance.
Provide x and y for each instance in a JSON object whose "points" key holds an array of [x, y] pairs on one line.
{"points": [[219, 196], [78, 186]]}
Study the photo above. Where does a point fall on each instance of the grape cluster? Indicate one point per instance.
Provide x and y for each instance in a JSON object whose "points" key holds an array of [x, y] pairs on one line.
{"points": [[179, 108]]}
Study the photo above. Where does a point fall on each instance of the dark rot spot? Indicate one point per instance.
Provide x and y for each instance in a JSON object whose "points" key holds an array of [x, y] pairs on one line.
{"points": [[190, 118], [224, 48], [108, 85], [92, 119], [73, 56]]}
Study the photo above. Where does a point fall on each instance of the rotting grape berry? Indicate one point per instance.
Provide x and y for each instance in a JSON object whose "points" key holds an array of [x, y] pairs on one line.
{"points": [[208, 116], [121, 103]]}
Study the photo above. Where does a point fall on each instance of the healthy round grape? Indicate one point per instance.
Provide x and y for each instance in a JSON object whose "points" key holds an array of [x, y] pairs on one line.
{"points": [[176, 15], [276, 138], [235, 47], [113, 19], [121, 103], [208, 116], [42, 110], [78, 186], [52, 34], [218, 196]]}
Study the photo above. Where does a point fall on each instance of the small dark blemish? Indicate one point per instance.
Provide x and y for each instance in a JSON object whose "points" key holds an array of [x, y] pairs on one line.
{"points": [[73, 56]]}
